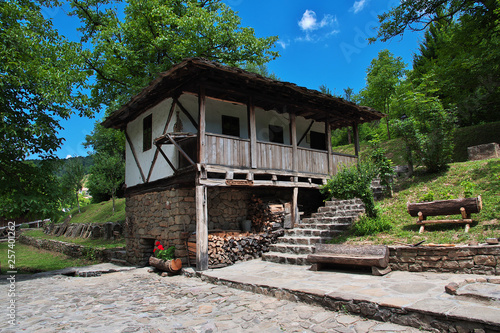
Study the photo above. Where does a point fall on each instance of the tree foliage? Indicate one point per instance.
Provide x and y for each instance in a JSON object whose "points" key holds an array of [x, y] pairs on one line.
{"points": [[382, 76], [155, 34], [72, 180], [428, 128], [107, 175], [40, 77]]}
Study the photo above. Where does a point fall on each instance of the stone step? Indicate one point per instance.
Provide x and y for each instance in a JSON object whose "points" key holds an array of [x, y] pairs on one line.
{"points": [[340, 209], [283, 258], [337, 203], [291, 248], [119, 262], [301, 240], [326, 226], [346, 213], [328, 220], [301, 232]]}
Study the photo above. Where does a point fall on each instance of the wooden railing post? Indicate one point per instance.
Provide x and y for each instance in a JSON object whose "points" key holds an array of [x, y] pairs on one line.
{"points": [[252, 131], [293, 140]]}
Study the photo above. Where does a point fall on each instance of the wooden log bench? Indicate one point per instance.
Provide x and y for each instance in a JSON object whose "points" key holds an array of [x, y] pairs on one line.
{"points": [[375, 256], [464, 207]]}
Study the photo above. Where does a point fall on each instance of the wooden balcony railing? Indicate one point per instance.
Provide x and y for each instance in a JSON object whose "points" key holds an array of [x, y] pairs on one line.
{"points": [[235, 152]]}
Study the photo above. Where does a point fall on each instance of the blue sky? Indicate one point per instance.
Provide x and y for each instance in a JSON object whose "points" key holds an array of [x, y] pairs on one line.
{"points": [[320, 42]]}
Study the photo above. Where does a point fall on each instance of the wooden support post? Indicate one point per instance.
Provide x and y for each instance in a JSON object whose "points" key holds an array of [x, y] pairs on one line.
{"points": [[328, 132], [355, 133], [293, 140], [131, 145], [202, 140], [295, 207], [252, 131], [201, 228]]}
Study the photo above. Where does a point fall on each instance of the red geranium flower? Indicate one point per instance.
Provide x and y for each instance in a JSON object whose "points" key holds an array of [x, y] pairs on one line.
{"points": [[160, 247], [157, 243], [154, 250]]}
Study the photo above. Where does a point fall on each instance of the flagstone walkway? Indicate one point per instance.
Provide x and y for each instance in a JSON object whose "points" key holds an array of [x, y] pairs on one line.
{"points": [[138, 301]]}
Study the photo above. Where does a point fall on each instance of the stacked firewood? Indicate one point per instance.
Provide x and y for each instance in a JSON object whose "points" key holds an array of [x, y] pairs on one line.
{"points": [[266, 215], [226, 248]]}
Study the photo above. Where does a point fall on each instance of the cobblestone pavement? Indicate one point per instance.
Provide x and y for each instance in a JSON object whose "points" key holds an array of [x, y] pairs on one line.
{"points": [[138, 301]]}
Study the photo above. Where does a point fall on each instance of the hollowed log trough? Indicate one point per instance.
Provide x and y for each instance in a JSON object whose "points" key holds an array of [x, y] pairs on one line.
{"points": [[465, 207], [171, 266]]}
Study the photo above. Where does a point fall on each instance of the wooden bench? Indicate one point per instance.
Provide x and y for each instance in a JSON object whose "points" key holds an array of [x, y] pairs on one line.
{"points": [[376, 256], [464, 207]]}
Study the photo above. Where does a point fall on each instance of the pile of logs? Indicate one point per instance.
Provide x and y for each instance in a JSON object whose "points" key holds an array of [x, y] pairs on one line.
{"points": [[226, 248], [266, 215]]}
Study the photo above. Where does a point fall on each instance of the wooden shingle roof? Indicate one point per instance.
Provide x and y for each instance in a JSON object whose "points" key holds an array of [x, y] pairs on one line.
{"points": [[236, 85]]}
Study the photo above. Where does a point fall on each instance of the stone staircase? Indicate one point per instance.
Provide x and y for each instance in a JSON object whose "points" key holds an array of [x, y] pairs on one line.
{"points": [[331, 220]]}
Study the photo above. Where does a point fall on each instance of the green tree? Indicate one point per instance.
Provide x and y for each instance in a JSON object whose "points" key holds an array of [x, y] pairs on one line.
{"points": [[382, 76], [107, 174], [156, 34], [73, 178], [428, 128], [40, 77], [418, 15]]}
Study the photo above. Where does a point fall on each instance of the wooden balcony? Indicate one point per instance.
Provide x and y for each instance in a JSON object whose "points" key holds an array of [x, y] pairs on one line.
{"points": [[233, 155]]}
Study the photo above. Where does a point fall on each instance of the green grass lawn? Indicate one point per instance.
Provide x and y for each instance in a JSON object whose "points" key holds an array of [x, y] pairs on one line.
{"points": [[101, 212], [29, 259], [445, 185], [94, 243]]}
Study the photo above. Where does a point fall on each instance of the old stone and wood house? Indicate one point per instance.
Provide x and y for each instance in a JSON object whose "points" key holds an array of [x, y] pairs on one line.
{"points": [[203, 137]]}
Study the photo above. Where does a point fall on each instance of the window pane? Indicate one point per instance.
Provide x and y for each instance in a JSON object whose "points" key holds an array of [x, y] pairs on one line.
{"points": [[318, 140], [231, 126], [276, 134], [147, 132]]}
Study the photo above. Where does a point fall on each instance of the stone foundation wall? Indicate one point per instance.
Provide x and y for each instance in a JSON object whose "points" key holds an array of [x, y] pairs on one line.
{"points": [[459, 259], [170, 215], [162, 216], [74, 250]]}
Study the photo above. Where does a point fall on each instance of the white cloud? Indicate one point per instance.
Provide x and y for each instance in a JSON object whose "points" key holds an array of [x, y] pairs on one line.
{"points": [[324, 28], [309, 22], [68, 156], [283, 44], [359, 6]]}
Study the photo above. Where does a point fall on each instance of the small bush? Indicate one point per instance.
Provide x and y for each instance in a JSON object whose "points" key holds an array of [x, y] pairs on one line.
{"points": [[353, 182], [371, 225]]}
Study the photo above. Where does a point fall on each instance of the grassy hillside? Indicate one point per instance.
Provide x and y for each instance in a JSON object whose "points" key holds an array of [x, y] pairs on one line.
{"points": [[98, 213], [445, 185], [464, 137]]}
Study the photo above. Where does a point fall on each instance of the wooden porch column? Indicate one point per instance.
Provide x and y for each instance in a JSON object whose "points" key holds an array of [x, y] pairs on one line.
{"points": [[252, 132], [328, 132], [295, 207], [202, 143], [201, 228], [355, 133], [293, 140]]}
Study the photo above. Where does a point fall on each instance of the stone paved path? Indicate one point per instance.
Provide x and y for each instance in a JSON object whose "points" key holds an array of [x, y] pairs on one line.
{"points": [[138, 301]]}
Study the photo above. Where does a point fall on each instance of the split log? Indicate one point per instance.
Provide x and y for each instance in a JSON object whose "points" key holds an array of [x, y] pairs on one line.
{"points": [[171, 266], [445, 207]]}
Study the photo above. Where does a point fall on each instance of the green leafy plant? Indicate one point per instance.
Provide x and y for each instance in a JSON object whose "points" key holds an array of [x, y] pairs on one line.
{"points": [[383, 165], [468, 188], [429, 196], [162, 253], [353, 182], [371, 225]]}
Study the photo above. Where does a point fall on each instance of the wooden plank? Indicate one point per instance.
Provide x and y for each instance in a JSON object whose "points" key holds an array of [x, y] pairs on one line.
{"points": [[180, 149], [166, 158], [252, 131], [201, 127], [305, 133], [458, 221], [201, 228], [186, 113], [328, 131], [130, 144]]}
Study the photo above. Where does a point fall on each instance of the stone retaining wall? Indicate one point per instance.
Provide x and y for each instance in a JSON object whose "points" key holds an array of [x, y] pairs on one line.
{"points": [[457, 259], [74, 250]]}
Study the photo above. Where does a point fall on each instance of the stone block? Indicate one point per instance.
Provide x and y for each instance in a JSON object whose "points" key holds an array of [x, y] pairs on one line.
{"points": [[487, 260], [466, 263], [482, 152]]}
